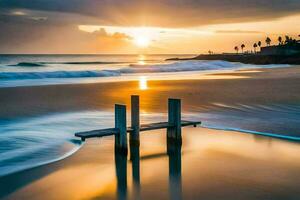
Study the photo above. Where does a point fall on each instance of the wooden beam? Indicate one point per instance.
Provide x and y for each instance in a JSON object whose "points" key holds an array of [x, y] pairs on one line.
{"points": [[143, 127], [120, 124], [97, 133]]}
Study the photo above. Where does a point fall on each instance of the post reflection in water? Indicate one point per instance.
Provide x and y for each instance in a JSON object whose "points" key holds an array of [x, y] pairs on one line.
{"points": [[135, 161], [121, 173], [175, 179]]}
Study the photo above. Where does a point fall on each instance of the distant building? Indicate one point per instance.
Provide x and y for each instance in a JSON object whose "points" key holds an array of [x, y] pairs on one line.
{"points": [[288, 49]]}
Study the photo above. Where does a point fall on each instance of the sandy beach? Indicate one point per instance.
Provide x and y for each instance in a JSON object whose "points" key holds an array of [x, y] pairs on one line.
{"points": [[211, 164], [257, 86], [149, 100]]}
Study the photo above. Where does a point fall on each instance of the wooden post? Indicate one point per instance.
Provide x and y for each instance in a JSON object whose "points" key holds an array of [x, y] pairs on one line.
{"points": [[174, 115], [135, 120], [120, 123]]}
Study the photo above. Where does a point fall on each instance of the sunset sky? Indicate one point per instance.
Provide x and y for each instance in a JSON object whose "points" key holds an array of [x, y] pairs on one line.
{"points": [[143, 26]]}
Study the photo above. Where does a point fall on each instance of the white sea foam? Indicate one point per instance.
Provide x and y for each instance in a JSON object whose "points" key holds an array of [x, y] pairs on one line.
{"points": [[184, 66]]}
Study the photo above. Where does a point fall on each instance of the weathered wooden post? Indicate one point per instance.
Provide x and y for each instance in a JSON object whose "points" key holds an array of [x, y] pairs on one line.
{"points": [[135, 120], [174, 119], [120, 124]]}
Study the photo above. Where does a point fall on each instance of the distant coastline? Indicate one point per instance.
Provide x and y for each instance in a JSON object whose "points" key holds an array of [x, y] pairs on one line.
{"points": [[286, 52], [256, 59]]}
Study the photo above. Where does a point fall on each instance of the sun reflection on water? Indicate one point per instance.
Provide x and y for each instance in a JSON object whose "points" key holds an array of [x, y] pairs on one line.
{"points": [[143, 84], [141, 60]]}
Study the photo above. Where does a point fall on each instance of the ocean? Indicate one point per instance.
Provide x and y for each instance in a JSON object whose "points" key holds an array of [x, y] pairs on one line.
{"points": [[36, 140], [30, 70]]}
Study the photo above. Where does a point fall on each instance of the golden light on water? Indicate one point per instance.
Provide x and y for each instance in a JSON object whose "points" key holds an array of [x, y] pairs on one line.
{"points": [[143, 83], [141, 60]]}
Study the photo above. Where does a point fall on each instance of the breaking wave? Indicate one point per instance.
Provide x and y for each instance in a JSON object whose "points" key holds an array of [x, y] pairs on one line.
{"points": [[185, 66], [28, 64], [40, 64], [57, 74]]}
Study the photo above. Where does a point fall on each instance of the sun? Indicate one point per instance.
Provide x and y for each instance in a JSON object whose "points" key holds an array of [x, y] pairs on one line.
{"points": [[142, 41]]}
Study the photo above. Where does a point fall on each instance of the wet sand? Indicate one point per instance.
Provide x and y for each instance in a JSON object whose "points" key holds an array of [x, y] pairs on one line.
{"points": [[281, 85], [211, 164]]}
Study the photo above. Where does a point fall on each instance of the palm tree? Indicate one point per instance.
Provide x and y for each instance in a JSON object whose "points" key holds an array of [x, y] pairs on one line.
{"points": [[255, 46], [236, 48], [259, 44], [280, 40], [242, 47], [268, 41], [287, 39]]}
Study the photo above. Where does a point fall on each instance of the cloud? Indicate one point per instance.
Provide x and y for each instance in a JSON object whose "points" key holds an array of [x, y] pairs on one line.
{"points": [[38, 18], [18, 13], [36, 36], [238, 32], [51, 26], [102, 33], [167, 13]]}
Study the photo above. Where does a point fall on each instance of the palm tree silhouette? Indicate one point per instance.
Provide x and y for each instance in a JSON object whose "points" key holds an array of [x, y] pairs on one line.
{"points": [[255, 46], [287, 39], [280, 40], [259, 44], [237, 49], [268, 41], [242, 47]]}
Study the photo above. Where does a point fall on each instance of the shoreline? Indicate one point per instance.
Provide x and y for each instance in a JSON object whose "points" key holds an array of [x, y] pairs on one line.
{"points": [[223, 87], [90, 172]]}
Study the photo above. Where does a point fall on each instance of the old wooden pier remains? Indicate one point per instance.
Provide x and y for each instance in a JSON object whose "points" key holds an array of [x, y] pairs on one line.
{"points": [[173, 125], [174, 142]]}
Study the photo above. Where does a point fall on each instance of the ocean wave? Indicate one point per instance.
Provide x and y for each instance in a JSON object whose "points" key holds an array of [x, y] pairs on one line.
{"points": [[57, 74], [84, 63], [28, 64], [41, 64], [184, 66]]}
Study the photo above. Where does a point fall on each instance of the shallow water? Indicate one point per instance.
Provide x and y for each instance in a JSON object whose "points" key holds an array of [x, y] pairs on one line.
{"points": [[276, 119], [209, 165], [30, 142]]}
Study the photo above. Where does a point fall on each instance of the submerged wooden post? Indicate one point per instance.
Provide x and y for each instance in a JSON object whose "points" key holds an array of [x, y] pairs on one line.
{"points": [[135, 120], [120, 124], [174, 119]]}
